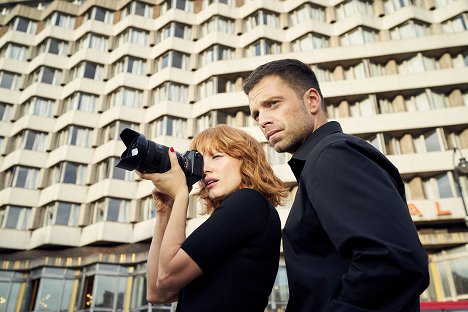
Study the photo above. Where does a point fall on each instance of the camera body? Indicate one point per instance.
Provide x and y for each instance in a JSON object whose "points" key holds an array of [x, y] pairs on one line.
{"points": [[148, 156]]}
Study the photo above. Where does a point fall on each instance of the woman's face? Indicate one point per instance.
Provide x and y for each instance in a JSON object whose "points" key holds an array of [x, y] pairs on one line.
{"points": [[222, 174]]}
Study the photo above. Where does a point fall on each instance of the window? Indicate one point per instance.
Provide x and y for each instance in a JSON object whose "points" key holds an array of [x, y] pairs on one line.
{"points": [[14, 217], [9, 80], [169, 126], [23, 177], [30, 140], [148, 208], [280, 293], [53, 46], [46, 74], [129, 64], [309, 42], [67, 172], [61, 213], [273, 157], [456, 24], [206, 3], [88, 70], [417, 64], [23, 24], [362, 107], [106, 169], [353, 7], [124, 96], [38, 106], [263, 47], [110, 209], [262, 17], [61, 20], [75, 135], [216, 53], [113, 130], [51, 289], [5, 111], [99, 14], [438, 186], [218, 24], [429, 141], [14, 51], [307, 12], [173, 59], [104, 288], [170, 91], [391, 6], [10, 287], [133, 35], [359, 35], [409, 29], [138, 8], [185, 5], [175, 29], [94, 41], [81, 101]]}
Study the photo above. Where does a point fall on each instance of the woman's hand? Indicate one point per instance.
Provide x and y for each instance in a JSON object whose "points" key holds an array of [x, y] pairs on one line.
{"points": [[169, 183]]}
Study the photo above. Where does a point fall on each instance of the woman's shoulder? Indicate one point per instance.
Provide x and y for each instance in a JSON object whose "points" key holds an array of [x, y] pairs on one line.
{"points": [[246, 198]]}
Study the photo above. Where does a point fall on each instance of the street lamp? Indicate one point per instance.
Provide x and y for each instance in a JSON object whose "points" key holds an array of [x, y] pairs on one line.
{"points": [[461, 169]]}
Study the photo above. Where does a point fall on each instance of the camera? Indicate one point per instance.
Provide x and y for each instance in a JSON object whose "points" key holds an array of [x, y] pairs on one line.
{"points": [[147, 156]]}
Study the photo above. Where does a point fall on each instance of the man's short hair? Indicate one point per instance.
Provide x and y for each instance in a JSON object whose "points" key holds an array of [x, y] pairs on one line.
{"points": [[295, 73]]}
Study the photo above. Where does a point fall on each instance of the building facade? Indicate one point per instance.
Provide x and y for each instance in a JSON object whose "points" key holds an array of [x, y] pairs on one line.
{"points": [[75, 230]]}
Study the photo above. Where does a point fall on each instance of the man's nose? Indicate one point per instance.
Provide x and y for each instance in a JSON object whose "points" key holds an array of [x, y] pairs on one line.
{"points": [[263, 119]]}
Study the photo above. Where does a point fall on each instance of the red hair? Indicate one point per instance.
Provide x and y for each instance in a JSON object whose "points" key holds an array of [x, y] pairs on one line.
{"points": [[256, 171]]}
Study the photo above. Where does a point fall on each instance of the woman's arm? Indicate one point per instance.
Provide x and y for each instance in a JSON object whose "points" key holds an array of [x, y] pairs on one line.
{"points": [[163, 211], [175, 268]]}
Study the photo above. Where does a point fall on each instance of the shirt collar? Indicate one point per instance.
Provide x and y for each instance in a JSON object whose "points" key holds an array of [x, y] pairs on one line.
{"points": [[298, 160]]}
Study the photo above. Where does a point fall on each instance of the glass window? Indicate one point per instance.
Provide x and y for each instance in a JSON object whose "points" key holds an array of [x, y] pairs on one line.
{"points": [[352, 7], [9, 80], [307, 12], [409, 29], [138, 8], [126, 97], [61, 20], [218, 24], [75, 135], [24, 25], [432, 141], [100, 14], [38, 106], [359, 35], [309, 42], [94, 41], [170, 91], [68, 172], [10, 286], [5, 111], [111, 209], [14, 217], [174, 59], [105, 289], [81, 101], [14, 51], [460, 275], [263, 47], [443, 184], [30, 140], [170, 126], [456, 24], [21, 176], [133, 35]]}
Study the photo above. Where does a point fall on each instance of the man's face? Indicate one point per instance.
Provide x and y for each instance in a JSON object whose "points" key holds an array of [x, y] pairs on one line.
{"points": [[283, 117]]}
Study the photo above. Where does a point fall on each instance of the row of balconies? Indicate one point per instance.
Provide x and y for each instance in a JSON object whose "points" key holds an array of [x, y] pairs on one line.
{"points": [[242, 10], [443, 78], [106, 232]]}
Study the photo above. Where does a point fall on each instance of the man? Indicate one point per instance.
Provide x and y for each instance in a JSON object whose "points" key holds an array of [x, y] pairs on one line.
{"points": [[349, 241]]}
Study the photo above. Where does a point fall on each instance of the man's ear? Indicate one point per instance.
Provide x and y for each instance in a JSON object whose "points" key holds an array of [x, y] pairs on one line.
{"points": [[313, 101]]}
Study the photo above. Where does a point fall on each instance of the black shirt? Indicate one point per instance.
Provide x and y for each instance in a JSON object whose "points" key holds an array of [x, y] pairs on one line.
{"points": [[349, 241], [238, 249]]}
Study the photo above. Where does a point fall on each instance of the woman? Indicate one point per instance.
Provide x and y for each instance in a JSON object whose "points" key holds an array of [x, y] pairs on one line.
{"points": [[229, 263]]}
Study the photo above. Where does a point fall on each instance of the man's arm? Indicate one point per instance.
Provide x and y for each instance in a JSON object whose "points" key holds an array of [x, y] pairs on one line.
{"points": [[368, 222]]}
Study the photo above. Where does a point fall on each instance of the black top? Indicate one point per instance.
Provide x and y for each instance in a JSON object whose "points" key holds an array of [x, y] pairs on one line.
{"points": [[349, 241], [238, 249]]}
